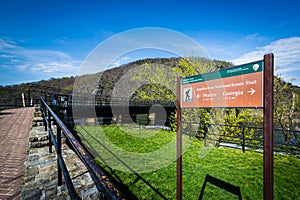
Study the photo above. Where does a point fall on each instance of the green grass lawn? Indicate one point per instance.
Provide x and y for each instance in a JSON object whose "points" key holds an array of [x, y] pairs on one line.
{"points": [[230, 165]]}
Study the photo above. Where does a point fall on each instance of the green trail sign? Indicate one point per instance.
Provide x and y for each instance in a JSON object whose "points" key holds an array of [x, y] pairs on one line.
{"points": [[239, 86]]}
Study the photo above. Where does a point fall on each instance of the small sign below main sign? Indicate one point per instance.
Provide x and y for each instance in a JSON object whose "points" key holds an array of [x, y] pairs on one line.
{"points": [[239, 86]]}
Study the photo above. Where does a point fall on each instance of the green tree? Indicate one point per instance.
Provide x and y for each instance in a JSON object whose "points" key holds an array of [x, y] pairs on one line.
{"points": [[160, 83], [240, 120], [212, 124], [285, 105]]}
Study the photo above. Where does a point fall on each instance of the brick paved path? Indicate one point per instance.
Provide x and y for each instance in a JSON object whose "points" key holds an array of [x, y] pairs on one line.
{"points": [[14, 132]]}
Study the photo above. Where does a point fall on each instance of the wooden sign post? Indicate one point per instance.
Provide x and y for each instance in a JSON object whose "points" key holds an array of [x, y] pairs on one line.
{"points": [[268, 126], [247, 86], [179, 143]]}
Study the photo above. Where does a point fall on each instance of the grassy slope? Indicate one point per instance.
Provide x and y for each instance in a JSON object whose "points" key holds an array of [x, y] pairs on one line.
{"points": [[230, 165]]}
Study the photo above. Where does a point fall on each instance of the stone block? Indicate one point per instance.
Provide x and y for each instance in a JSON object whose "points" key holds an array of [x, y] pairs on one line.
{"points": [[91, 193], [33, 157], [32, 170], [47, 168], [32, 194], [31, 184], [39, 144], [33, 138], [51, 190], [38, 114], [28, 179], [34, 163]]}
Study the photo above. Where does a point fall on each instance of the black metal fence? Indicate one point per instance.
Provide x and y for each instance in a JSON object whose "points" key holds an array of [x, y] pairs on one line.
{"points": [[103, 183], [239, 139]]}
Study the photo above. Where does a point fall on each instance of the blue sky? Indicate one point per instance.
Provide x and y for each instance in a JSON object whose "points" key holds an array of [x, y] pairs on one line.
{"points": [[40, 39]]}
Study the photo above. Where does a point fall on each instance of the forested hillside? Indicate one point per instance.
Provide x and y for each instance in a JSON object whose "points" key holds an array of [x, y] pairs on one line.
{"points": [[9, 95], [13, 94]]}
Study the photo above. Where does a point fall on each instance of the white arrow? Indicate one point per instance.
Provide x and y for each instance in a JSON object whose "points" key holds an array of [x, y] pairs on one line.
{"points": [[198, 96], [251, 91]]}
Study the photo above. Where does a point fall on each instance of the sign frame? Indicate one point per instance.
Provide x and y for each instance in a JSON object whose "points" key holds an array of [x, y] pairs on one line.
{"points": [[238, 86], [268, 128]]}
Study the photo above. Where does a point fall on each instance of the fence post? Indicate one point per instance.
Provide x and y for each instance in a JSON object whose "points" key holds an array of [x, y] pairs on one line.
{"points": [[241, 125], [243, 135], [45, 113], [49, 134], [59, 172], [42, 110]]}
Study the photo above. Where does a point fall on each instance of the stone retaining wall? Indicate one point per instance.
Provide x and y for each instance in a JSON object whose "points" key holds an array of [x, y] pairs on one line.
{"points": [[40, 169]]}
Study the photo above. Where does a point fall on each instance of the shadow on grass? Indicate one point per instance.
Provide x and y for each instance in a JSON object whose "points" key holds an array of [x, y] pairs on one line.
{"points": [[221, 184], [124, 189]]}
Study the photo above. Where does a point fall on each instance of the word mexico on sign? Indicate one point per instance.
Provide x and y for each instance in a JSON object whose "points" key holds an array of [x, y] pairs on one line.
{"points": [[239, 86]]}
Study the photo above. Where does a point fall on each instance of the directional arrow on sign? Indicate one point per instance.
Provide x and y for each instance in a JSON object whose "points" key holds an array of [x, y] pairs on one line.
{"points": [[251, 91], [198, 96]]}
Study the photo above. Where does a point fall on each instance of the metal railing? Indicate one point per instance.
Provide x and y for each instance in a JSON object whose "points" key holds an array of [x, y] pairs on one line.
{"points": [[240, 139], [118, 101], [100, 179], [43, 89]]}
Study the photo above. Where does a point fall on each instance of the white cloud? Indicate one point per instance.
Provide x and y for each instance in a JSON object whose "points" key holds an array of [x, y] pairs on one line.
{"points": [[286, 56], [6, 56], [22, 67], [286, 51], [119, 61], [6, 44], [252, 36], [36, 60]]}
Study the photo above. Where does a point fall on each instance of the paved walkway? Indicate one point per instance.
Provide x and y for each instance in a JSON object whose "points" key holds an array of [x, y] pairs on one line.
{"points": [[14, 132]]}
